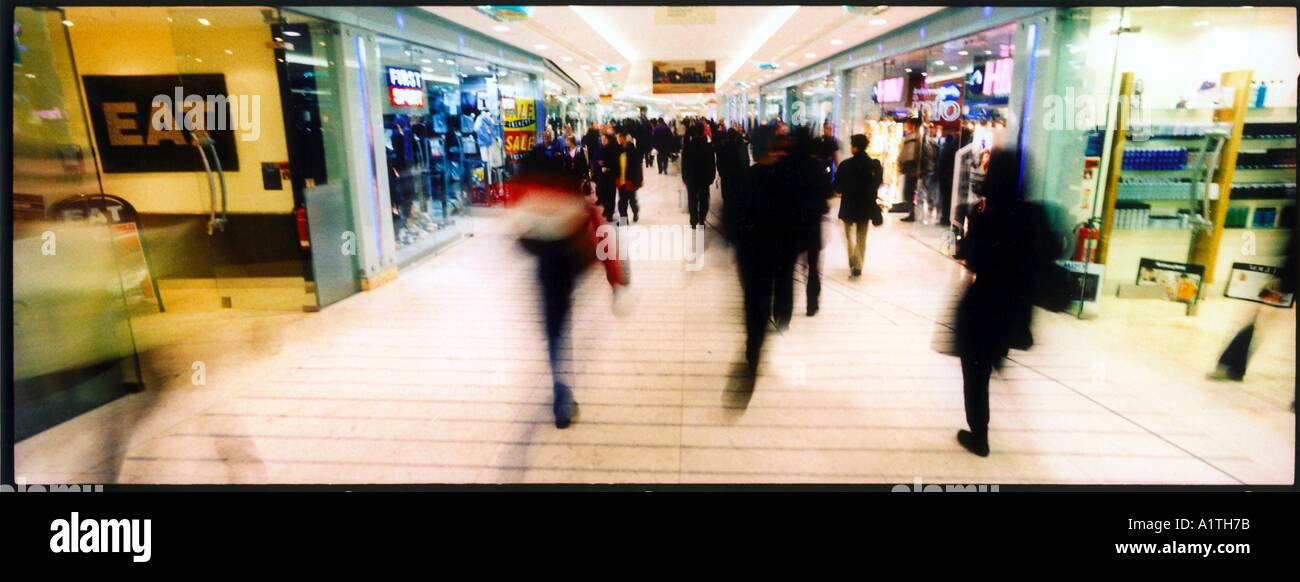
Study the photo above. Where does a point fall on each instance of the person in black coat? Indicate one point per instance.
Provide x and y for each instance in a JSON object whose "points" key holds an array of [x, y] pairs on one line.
{"points": [[858, 179], [1008, 250], [698, 172], [759, 217], [604, 169], [733, 159], [808, 186], [628, 176]]}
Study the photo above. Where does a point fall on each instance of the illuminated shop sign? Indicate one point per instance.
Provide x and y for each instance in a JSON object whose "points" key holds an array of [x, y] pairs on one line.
{"points": [[405, 87], [889, 90]]}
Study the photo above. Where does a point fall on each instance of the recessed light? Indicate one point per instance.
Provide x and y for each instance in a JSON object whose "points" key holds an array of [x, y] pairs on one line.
{"points": [[1201, 23], [540, 47], [292, 33], [67, 23], [567, 59], [501, 28], [425, 61], [585, 67], [204, 22], [230, 52], [877, 22], [810, 55], [836, 41]]}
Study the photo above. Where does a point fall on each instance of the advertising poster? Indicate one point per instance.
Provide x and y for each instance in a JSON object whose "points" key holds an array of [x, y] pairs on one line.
{"points": [[672, 77], [519, 116], [939, 103], [1258, 283], [1181, 282]]}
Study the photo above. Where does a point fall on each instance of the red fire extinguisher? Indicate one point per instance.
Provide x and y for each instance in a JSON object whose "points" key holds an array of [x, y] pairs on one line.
{"points": [[1086, 231], [304, 241]]}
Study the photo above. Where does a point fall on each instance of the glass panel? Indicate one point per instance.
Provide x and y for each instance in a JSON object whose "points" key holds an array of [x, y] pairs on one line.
{"points": [[1179, 57], [73, 345], [312, 89], [251, 223]]}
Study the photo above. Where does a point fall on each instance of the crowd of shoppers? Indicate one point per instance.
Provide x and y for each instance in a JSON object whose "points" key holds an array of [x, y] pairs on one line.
{"points": [[773, 214]]}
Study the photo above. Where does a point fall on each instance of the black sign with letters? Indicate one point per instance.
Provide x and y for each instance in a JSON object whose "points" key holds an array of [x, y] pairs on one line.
{"points": [[134, 135]]}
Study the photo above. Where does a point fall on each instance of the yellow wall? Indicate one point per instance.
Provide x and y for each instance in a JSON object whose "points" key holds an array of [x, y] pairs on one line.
{"points": [[141, 41]]}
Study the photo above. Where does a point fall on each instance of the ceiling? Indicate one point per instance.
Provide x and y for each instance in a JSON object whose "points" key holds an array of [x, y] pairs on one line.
{"points": [[584, 40]]}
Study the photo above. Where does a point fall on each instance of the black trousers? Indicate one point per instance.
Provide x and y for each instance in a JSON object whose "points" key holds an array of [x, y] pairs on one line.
{"points": [[975, 372], [557, 273], [697, 203], [1237, 354], [757, 281], [626, 197], [909, 194], [605, 197], [784, 259], [663, 161], [810, 250]]}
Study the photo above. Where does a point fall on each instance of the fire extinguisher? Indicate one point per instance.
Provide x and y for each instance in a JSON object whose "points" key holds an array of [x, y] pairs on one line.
{"points": [[1086, 231], [304, 241]]}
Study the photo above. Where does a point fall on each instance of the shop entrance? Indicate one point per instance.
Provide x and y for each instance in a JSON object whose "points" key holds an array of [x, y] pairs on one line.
{"points": [[175, 162]]}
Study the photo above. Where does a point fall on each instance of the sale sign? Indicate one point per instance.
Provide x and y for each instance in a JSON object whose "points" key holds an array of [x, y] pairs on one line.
{"points": [[520, 124]]}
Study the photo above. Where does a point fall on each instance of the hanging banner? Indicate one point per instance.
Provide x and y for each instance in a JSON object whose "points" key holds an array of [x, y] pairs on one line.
{"points": [[519, 116], [674, 77], [1258, 283]]}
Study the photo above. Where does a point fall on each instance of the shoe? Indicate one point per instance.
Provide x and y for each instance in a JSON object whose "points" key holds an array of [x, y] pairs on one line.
{"points": [[857, 272], [636, 215], [1223, 373], [909, 218], [969, 442], [565, 407], [812, 310]]}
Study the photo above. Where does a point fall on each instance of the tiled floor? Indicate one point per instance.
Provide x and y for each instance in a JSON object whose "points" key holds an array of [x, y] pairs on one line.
{"points": [[441, 377]]}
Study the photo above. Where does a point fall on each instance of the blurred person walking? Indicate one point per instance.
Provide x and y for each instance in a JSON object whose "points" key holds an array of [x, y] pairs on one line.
{"points": [[628, 177], [604, 169], [1009, 249], [556, 225], [698, 172], [909, 166], [858, 180]]}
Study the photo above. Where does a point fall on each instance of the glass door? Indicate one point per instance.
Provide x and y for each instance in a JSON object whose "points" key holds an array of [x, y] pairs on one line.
{"points": [[73, 347], [229, 63]]}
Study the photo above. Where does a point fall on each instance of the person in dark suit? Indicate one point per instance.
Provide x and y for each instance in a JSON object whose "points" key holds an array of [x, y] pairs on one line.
{"points": [[759, 217], [628, 176], [1009, 250], [810, 187], [857, 179], [698, 172], [604, 169]]}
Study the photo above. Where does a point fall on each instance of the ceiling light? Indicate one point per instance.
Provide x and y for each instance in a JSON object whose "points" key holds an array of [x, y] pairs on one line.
{"points": [[1201, 23], [877, 22], [425, 61], [230, 52], [792, 64], [67, 23], [292, 33], [585, 67], [836, 41], [501, 28], [540, 47], [204, 22], [963, 53], [567, 59], [810, 55]]}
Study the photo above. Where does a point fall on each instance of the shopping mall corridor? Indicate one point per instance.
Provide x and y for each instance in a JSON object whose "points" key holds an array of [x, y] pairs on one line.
{"points": [[441, 377]]}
